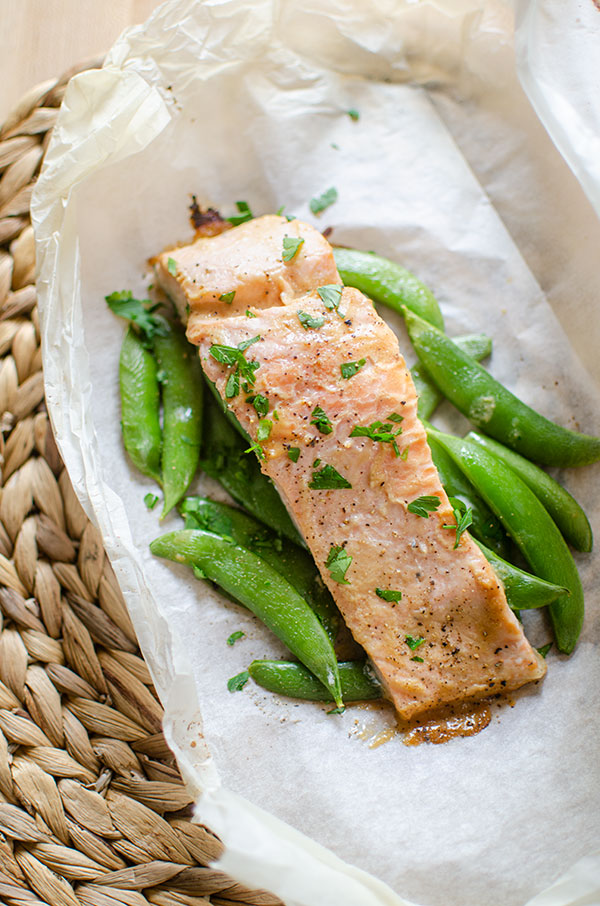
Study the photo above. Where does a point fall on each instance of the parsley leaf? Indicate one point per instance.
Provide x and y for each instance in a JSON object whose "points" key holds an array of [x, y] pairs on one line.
{"points": [[150, 500], [464, 518], [417, 658], [545, 649], [235, 636], [331, 296], [308, 321], [394, 417], [140, 313], [234, 356], [387, 594], [244, 215], [291, 247], [328, 478], [381, 432], [404, 454], [349, 369], [227, 297], [413, 643], [265, 426], [294, 453], [172, 266], [256, 448], [423, 506], [338, 562], [321, 202], [250, 314], [238, 682], [260, 403], [320, 418], [353, 114]]}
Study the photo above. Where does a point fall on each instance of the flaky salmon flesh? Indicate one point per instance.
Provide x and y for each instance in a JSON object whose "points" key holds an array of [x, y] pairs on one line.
{"points": [[432, 619]]}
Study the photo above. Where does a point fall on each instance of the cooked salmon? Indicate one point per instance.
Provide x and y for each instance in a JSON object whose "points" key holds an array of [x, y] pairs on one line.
{"points": [[349, 456]]}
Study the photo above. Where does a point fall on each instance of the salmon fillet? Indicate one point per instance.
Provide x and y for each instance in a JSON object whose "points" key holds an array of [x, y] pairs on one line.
{"points": [[451, 636]]}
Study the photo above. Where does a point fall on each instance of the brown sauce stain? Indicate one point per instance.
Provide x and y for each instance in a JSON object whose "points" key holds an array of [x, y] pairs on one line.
{"points": [[467, 720], [380, 724]]}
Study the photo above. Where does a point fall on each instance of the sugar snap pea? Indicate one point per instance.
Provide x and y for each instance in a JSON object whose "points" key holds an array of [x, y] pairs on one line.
{"points": [[477, 345], [523, 591], [264, 591], [564, 509], [493, 408], [293, 562], [485, 525], [527, 521], [224, 459], [387, 283], [182, 394], [287, 678], [138, 382]]}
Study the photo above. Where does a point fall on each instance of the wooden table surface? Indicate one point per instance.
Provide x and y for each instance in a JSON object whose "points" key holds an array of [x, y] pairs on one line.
{"points": [[40, 39]]}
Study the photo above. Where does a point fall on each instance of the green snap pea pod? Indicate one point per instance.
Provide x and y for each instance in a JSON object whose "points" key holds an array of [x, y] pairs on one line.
{"points": [[523, 591], [564, 509], [294, 563], [224, 459], [138, 382], [262, 590], [287, 678], [387, 283], [485, 525], [182, 394], [534, 531], [477, 345], [493, 408]]}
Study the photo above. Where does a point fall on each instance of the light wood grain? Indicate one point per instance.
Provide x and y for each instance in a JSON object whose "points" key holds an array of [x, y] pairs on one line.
{"points": [[40, 39]]}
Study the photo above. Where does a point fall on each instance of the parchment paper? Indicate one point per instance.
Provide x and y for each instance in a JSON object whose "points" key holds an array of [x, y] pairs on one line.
{"points": [[231, 102]]}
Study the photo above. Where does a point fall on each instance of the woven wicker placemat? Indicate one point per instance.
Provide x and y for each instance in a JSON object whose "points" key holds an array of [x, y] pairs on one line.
{"points": [[93, 811]]}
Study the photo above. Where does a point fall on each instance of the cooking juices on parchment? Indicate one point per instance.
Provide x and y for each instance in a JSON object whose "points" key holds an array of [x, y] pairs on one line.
{"points": [[313, 378]]}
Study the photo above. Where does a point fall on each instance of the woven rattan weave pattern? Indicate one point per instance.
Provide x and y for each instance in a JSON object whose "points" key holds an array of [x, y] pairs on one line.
{"points": [[93, 811]]}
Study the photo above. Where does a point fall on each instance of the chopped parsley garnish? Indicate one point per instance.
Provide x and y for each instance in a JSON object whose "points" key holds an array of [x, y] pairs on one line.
{"points": [[201, 514], [338, 563], [227, 297], [291, 247], [238, 682], [294, 453], [388, 594], [545, 649], [417, 658], [256, 448], [321, 420], [353, 114], [413, 643], [349, 369], [172, 266], [464, 518], [381, 432], [308, 321], [404, 454], [328, 479], [264, 429], [232, 387], [321, 202], [331, 296], [150, 500], [260, 403], [423, 506], [234, 356], [250, 314], [235, 636], [140, 313], [244, 214], [394, 417]]}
